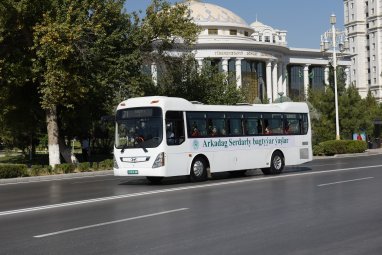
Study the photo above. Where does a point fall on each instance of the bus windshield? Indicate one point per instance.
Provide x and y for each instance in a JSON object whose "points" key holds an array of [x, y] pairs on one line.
{"points": [[139, 128]]}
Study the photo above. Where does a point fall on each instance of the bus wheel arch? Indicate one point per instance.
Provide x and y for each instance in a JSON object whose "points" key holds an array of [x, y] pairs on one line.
{"points": [[198, 168], [277, 163]]}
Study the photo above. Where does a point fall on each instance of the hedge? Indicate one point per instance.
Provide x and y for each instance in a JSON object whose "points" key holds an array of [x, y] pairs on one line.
{"points": [[21, 170], [37, 170], [13, 170], [64, 168], [333, 147]]}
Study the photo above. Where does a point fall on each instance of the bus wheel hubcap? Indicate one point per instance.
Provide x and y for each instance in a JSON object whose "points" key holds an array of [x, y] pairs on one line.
{"points": [[277, 162], [198, 168]]}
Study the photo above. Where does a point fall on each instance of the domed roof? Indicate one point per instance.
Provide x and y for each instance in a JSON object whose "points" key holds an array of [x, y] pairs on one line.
{"points": [[205, 14], [258, 24]]}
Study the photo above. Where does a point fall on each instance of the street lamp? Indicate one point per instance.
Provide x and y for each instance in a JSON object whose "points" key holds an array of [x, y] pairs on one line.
{"points": [[330, 39]]}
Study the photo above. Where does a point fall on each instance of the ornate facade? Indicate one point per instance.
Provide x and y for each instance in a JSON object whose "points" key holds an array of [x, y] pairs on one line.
{"points": [[258, 54]]}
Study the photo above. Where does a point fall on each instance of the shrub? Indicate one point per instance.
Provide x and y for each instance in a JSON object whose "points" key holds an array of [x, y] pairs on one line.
{"points": [[94, 166], [64, 168], [37, 170], [339, 147], [105, 164], [13, 170], [83, 167]]}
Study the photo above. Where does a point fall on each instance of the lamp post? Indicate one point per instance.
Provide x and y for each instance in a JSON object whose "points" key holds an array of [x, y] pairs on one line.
{"points": [[330, 39]]}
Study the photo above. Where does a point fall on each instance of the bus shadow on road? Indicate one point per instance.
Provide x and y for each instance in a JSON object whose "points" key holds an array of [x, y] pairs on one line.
{"points": [[169, 181]]}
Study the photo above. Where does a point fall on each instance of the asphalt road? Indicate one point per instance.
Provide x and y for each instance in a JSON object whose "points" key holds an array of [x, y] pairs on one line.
{"points": [[328, 206]]}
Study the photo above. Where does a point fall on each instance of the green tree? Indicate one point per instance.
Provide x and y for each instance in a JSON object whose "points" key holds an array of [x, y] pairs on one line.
{"points": [[21, 119], [85, 46], [181, 77], [355, 114]]}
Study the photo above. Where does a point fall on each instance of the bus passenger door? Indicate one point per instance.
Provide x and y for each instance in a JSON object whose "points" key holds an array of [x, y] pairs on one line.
{"points": [[176, 152]]}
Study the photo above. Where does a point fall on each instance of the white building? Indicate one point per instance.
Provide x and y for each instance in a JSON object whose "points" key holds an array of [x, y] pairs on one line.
{"points": [[363, 22], [258, 54]]}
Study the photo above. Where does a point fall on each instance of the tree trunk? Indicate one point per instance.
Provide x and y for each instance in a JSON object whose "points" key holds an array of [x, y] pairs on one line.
{"points": [[53, 136], [66, 153]]}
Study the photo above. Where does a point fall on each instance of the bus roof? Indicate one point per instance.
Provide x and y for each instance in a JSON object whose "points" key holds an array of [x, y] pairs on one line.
{"points": [[181, 104]]}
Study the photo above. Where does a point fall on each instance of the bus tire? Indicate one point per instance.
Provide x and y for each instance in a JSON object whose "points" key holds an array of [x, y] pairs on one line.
{"points": [[154, 179], [277, 164], [198, 171]]}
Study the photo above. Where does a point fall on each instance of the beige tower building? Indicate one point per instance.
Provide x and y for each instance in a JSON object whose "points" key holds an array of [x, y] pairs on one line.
{"points": [[363, 23]]}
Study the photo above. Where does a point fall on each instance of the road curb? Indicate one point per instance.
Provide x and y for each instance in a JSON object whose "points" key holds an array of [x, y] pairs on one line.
{"points": [[55, 177]]}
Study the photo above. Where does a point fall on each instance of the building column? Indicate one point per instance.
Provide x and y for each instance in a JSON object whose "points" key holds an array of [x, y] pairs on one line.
{"points": [[225, 65], [280, 77], [285, 79], [326, 75], [347, 71], [274, 80], [238, 72], [154, 73], [200, 63], [306, 80], [269, 81]]}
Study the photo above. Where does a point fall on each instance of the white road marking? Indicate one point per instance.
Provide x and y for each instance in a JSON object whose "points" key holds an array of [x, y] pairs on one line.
{"points": [[101, 199], [339, 182], [109, 223]]}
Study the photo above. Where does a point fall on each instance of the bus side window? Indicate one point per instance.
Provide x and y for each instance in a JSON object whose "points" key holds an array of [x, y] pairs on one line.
{"points": [[174, 128], [305, 123]]}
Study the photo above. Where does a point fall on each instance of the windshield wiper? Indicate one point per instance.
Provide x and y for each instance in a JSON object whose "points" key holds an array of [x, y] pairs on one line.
{"points": [[143, 148], [125, 146]]}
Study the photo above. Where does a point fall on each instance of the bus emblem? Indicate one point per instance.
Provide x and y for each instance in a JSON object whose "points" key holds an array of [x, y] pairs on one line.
{"points": [[195, 145]]}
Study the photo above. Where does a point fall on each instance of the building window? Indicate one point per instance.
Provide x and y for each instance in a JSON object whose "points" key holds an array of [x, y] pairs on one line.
{"points": [[373, 46], [375, 80], [373, 57], [374, 69], [267, 39], [232, 32], [351, 6], [246, 33], [212, 31], [352, 17]]}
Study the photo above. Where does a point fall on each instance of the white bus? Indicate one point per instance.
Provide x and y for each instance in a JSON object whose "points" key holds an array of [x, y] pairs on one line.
{"points": [[159, 137]]}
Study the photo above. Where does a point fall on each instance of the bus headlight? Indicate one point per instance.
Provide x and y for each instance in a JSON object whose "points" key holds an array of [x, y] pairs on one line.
{"points": [[115, 165], [159, 161]]}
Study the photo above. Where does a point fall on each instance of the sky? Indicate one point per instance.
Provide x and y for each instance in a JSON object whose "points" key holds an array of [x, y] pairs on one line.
{"points": [[304, 20]]}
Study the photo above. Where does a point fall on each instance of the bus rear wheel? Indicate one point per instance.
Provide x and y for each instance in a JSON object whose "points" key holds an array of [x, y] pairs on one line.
{"points": [[277, 164], [198, 170]]}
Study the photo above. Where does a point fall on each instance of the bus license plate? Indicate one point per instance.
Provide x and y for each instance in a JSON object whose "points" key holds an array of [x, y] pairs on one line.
{"points": [[132, 171]]}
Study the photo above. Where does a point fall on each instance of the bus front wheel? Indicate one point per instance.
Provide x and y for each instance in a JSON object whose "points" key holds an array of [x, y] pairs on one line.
{"points": [[198, 171], [277, 164]]}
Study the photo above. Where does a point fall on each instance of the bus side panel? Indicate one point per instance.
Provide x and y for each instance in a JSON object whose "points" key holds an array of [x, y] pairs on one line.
{"points": [[177, 163], [240, 160]]}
